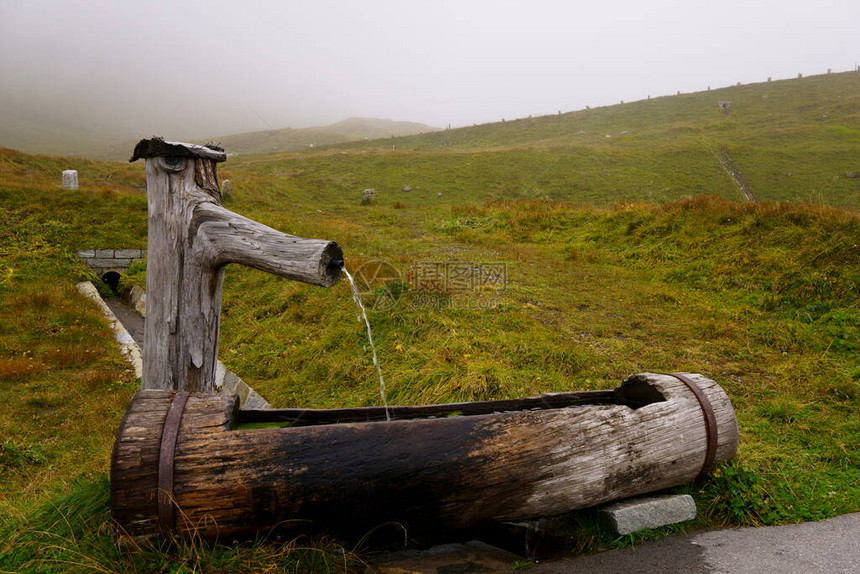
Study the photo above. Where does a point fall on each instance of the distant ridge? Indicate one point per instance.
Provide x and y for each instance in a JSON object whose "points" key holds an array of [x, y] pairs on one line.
{"points": [[44, 133], [294, 139]]}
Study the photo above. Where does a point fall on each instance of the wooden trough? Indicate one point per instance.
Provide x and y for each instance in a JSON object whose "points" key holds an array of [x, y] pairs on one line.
{"points": [[184, 463]]}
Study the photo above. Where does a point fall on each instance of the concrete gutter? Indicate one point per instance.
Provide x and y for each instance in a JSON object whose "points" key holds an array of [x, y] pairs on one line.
{"points": [[226, 382], [127, 345]]}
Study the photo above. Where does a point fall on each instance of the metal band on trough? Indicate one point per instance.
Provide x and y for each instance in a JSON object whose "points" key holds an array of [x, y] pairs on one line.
{"points": [[169, 435], [710, 422]]}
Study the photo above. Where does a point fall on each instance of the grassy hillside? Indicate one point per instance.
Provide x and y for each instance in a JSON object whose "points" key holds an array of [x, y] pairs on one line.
{"points": [[761, 297], [791, 140]]}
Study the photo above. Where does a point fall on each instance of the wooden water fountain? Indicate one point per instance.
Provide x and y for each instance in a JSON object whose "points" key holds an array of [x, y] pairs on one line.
{"points": [[185, 461]]}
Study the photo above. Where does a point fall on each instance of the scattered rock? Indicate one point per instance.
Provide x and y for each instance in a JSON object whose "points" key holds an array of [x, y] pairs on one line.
{"points": [[226, 189], [853, 175], [368, 196], [407, 188]]}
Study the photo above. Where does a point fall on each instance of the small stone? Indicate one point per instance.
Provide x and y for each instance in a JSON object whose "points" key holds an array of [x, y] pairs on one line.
{"points": [[635, 514], [407, 188], [367, 196], [70, 179], [226, 189]]}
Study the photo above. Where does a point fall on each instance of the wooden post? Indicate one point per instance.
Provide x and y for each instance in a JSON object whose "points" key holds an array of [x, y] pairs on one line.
{"points": [[191, 238]]}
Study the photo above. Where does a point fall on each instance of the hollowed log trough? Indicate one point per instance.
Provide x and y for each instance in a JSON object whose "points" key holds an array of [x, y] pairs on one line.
{"points": [[188, 463]]}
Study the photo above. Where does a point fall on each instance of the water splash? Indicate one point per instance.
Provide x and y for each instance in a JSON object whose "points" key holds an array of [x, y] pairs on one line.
{"points": [[356, 296]]}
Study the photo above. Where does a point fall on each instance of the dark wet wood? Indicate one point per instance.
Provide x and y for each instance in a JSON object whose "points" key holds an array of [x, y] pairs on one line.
{"points": [[454, 471], [304, 417]]}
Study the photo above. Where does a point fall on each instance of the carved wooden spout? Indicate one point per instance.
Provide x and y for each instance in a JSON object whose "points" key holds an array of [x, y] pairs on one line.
{"points": [[191, 238]]}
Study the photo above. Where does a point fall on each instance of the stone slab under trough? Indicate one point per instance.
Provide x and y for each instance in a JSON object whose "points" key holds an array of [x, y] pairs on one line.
{"points": [[635, 514]]}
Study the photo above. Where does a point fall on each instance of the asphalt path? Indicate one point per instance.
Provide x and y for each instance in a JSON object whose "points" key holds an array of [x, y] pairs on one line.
{"points": [[830, 546]]}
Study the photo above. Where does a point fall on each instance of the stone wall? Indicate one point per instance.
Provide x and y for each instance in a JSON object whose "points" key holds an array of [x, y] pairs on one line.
{"points": [[104, 259]]}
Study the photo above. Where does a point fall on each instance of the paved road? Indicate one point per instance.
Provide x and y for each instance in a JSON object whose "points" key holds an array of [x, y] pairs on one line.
{"points": [[831, 547]]}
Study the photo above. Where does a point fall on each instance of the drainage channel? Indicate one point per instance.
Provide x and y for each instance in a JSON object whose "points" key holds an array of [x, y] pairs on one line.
{"points": [[129, 318]]}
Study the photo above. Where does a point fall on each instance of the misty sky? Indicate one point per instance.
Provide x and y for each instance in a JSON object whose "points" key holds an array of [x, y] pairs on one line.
{"points": [[189, 68]]}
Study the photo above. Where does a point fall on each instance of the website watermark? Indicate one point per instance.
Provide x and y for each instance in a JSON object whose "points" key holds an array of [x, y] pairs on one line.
{"points": [[435, 285]]}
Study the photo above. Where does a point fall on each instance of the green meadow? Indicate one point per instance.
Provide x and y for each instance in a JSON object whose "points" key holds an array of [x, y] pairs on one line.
{"points": [[616, 244]]}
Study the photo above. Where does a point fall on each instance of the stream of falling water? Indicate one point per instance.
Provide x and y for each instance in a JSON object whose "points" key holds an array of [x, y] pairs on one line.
{"points": [[356, 295]]}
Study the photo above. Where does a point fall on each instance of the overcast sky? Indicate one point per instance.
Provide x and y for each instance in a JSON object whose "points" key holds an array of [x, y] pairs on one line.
{"points": [[187, 68]]}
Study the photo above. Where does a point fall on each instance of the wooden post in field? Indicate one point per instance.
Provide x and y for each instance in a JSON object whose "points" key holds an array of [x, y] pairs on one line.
{"points": [[191, 238]]}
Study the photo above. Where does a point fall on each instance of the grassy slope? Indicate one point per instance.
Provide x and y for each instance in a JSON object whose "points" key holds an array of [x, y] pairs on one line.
{"points": [[762, 298], [661, 149]]}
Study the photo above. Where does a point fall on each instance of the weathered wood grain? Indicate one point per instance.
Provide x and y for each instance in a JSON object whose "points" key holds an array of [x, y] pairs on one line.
{"points": [[191, 238], [488, 464]]}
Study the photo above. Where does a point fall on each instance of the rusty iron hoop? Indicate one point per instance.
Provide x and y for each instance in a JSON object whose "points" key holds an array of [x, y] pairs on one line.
{"points": [[710, 422], [169, 436]]}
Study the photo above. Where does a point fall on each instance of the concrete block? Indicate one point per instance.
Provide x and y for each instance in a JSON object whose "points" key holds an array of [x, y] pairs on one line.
{"points": [[220, 369], [87, 254], [127, 253], [104, 253], [70, 179], [137, 296], [635, 514], [240, 388], [255, 401], [102, 263]]}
